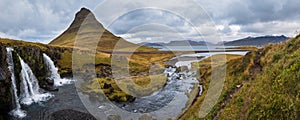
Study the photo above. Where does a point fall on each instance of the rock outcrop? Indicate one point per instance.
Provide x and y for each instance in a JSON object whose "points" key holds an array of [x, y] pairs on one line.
{"points": [[5, 86]]}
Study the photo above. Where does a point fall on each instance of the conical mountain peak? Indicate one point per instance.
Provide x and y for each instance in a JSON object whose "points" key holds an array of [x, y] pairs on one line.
{"points": [[83, 11], [87, 30]]}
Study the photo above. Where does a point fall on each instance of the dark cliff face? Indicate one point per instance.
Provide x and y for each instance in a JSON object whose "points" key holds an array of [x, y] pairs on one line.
{"points": [[5, 86]]}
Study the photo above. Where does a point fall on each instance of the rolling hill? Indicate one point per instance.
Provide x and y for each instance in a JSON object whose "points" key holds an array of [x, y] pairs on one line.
{"points": [[86, 32]]}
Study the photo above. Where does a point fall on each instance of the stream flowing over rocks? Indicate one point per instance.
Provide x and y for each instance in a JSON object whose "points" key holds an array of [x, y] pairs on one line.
{"points": [[179, 84], [168, 102]]}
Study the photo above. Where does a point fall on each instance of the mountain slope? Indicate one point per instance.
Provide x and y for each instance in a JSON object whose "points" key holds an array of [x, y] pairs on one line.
{"points": [[85, 32], [264, 84], [257, 41]]}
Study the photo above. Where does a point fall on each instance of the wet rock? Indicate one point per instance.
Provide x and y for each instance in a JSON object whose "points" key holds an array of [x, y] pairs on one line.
{"points": [[130, 98], [50, 81], [106, 86], [111, 89], [2, 74]]}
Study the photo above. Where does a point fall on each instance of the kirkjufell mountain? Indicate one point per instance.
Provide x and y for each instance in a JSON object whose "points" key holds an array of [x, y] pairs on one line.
{"points": [[87, 31]]}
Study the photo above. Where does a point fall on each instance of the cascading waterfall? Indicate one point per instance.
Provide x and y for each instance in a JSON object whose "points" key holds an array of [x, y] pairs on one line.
{"points": [[17, 112], [58, 81], [30, 87], [30, 90]]}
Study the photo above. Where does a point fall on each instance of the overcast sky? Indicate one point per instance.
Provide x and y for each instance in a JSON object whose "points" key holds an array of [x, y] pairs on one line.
{"points": [[155, 20]]}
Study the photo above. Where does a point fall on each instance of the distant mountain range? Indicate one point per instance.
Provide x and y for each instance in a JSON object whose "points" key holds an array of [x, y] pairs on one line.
{"points": [[249, 41], [257, 41]]}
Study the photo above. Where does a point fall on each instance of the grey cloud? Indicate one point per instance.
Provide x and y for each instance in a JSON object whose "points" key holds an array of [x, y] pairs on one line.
{"points": [[145, 16], [36, 20], [252, 11]]}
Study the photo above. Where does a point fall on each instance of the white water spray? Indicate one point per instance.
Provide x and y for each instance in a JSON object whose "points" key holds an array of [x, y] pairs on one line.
{"points": [[58, 81]]}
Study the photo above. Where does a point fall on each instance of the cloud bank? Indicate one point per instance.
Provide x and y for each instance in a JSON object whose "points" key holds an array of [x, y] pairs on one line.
{"points": [[41, 21]]}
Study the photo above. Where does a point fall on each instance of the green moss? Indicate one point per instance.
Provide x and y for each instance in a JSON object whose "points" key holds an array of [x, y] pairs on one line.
{"points": [[111, 90]]}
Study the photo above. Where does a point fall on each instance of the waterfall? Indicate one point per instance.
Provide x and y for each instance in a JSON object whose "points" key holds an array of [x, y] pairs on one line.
{"points": [[30, 90], [17, 112], [58, 81], [30, 86]]}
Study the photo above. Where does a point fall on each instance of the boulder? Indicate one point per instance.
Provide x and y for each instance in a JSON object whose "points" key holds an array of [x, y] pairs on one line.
{"points": [[49, 81], [106, 86]]}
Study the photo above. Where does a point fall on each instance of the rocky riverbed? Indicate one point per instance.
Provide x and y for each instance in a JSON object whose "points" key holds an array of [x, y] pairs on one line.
{"points": [[65, 105]]}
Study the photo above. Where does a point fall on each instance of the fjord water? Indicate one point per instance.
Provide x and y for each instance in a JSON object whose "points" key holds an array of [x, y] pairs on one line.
{"points": [[188, 63], [53, 72], [192, 48], [17, 111]]}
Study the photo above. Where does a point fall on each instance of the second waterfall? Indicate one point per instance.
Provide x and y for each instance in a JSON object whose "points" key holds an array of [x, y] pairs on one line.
{"points": [[53, 72], [30, 87]]}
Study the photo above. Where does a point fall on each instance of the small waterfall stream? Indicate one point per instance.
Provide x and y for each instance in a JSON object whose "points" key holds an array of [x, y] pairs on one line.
{"points": [[58, 81], [17, 112]]}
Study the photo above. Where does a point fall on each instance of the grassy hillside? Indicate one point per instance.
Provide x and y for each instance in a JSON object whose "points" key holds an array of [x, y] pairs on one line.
{"points": [[85, 31], [264, 84], [10, 42]]}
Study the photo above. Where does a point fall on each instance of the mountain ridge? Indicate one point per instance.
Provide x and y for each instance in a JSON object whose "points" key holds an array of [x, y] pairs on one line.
{"points": [[248, 41], [256, 41]]}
